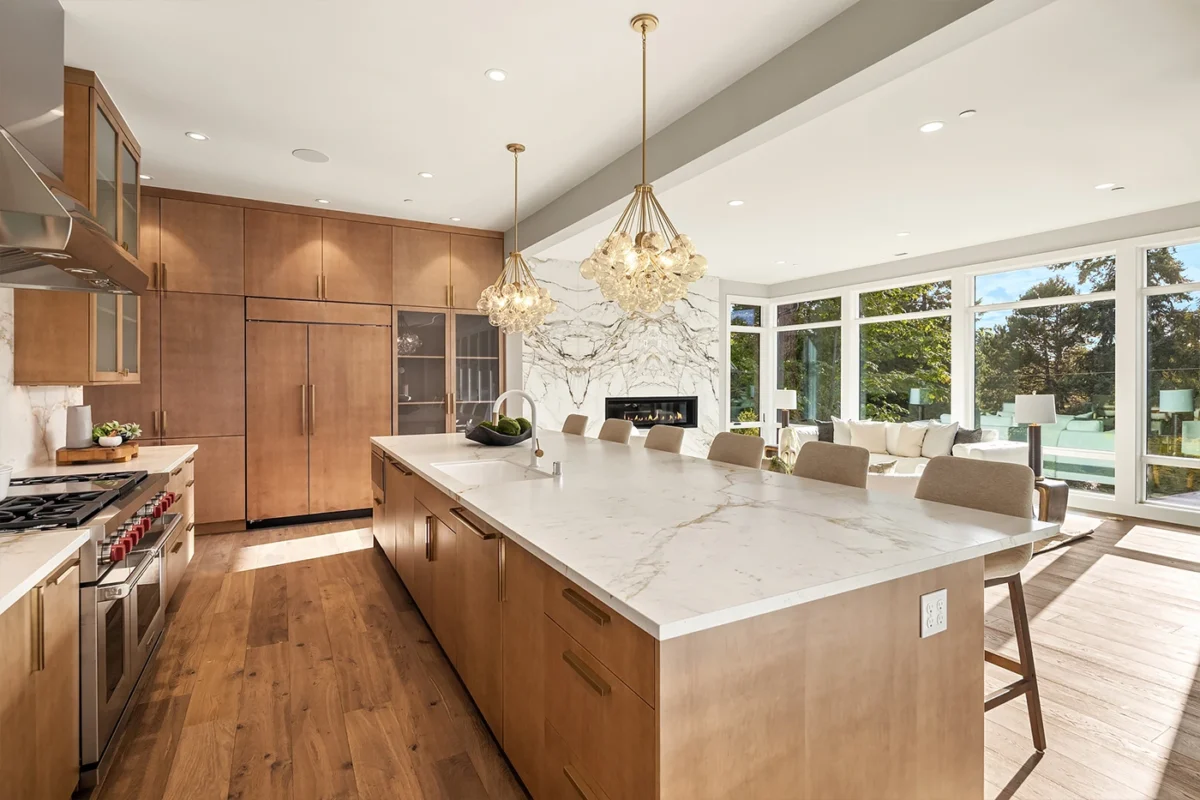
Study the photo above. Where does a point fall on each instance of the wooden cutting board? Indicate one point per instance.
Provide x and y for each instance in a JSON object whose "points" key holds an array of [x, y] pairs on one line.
{"points": [[96, 453]]}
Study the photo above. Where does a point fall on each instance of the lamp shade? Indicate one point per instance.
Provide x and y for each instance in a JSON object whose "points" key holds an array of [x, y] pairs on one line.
{"points": [[785, 399], [1035, 409], [1177, 401], [918, 397]]}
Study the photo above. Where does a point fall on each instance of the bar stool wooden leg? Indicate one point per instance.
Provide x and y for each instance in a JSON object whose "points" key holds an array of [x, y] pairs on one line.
{"points": [[1027, 685]]}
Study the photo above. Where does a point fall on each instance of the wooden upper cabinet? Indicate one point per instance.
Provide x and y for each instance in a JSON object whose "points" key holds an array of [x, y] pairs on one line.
{"points": [[356, 259], [201, 247], [203, 365], [75, 338], [420, 267], [140, 403], [148, 250], [283, 255], [475, 263]]}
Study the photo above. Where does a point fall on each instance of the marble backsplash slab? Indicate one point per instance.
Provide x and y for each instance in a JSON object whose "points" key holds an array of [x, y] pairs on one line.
{"points": [[590, 349], [33, 419]]}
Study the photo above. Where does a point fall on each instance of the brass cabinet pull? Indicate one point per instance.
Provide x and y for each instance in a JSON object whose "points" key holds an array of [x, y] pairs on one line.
{"points": [[593, 680], [304, 409], [163, 416], [162, 271], [312, 410], [403, 470], [596, 615], [154, 274], [178, 545], [63, 572], [428, 537], [190, 484], [577, 783], [176, 471], [452, 295], [378, 502], [37, 629], [190, 459], [501, 556], [318, 287], [324, 287], [154, 421], [449, 296], [457, 513], [191, 526]]}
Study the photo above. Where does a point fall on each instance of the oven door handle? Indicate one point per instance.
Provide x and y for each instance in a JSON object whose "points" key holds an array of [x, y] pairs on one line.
{"points": [[122, 590]]}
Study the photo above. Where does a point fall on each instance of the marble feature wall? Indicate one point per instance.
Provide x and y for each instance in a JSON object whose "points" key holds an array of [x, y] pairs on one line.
{"points": [[590, 349], [33, 419]]}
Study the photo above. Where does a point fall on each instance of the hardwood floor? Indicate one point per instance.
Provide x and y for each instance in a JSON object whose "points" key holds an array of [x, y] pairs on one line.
{"points": [[296, 666]]}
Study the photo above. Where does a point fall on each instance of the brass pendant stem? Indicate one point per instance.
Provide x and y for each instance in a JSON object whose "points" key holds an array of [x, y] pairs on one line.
{"points": [[643, 102], [516, 232]]}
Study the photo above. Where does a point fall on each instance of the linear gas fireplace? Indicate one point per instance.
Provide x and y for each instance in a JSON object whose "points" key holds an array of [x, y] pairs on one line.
{"points": [[646, 412]]}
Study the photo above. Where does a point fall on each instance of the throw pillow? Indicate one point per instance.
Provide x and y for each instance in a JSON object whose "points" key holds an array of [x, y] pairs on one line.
{"points": [[824, 431], [909, 440], [893, 437], [882, 468], [871, 435], [939, 439], [841, 431], [968, 436]]}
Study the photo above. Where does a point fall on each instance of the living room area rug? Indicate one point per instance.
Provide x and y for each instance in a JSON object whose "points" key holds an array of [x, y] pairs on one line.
{"points": [[1074, 528]]}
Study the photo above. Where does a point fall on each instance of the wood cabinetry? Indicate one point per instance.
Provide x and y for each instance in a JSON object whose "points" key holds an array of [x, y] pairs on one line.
{"points": [[201, 247], [75, 338], [203, 365], [39, 688], [179, 549], [148, 239], [523, 578], [435, 574], [315, 395], [399, 485], [283, 255], [475, 263], [480, 640], [220, 474], [142, 401], [421, 268], [356, 261]]}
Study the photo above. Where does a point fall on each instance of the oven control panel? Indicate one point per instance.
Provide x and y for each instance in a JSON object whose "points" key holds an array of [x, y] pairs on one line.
{"points": [[144, 523]]}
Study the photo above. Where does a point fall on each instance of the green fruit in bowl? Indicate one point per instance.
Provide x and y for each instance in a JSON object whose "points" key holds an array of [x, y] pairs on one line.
{"points": [[508, 427], [488, 425], [524, 423]]}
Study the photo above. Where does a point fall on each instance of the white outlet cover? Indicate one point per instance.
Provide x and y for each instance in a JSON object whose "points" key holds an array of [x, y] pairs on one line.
{"points": [[933, 613]]}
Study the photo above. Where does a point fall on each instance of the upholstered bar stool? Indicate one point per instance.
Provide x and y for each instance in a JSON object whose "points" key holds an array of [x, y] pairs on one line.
{"points": [[733, 448], [667, 438], [616, 430], [575, 424], [1003, 489], [835, 463]]}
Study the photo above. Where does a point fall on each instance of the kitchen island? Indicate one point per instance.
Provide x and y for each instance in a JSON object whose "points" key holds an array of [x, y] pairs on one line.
{"points": [[664, 626]]}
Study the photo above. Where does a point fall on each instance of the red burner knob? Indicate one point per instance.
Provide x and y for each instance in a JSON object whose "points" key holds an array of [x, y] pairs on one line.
{"points": [[117, 553]]}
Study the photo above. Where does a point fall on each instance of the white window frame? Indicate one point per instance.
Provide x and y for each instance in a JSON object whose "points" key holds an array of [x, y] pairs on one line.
{"points": [[765, 361], [777, 329]]}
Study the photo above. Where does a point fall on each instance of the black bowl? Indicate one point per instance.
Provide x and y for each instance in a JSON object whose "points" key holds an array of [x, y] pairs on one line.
{"points": [[494, 438]]}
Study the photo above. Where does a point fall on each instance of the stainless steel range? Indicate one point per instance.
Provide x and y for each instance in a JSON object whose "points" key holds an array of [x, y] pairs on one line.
{"points": [[121, 585]]}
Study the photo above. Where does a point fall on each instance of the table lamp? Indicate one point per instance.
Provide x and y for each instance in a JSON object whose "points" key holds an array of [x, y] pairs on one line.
{"points": [[920, 399], [1176, 402], [1035, 410], [785, 401]]}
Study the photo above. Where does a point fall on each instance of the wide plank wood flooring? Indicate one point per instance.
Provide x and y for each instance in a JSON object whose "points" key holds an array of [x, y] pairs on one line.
{"points": [[296, 666]]}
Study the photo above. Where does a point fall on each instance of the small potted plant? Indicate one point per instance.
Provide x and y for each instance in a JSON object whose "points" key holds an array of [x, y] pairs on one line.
{"points": [[115, 434]]}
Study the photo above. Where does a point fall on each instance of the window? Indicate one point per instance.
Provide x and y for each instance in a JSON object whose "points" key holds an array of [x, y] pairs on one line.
{"points": [[904, 362], [905, 300], [808, 352], [1172, 432], [1067, 349], [745, 369]]}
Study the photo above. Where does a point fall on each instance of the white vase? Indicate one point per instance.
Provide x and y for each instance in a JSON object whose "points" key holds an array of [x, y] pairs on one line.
{"points": [[79, 426], [789, 447]]}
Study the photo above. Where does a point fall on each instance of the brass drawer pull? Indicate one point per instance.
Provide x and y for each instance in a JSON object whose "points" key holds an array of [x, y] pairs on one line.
{"points": [[191, 526], [178, 545], [38, 629], [162, 416], [584, 671], [162, 271], [502, 569], [457, 513], [577, 783], [403, 470], [590, 611], [190, 459], [176, 471], [63, 572], [428, 537], [190, 484]]}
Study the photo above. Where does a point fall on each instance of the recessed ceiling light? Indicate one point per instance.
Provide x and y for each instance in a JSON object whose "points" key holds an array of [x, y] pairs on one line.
{"points": [[736, 202], [1104, 186], [199, 137], [930, 127], [780, 263], [424, 174], [903, 233], [494, 74], [970, 112], [322, 201], [898, 255], [146, 177], [311, 156], [456, 219], [58, 111]]}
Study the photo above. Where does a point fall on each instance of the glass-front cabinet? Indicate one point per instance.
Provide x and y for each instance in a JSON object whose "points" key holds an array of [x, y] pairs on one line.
{"points": [[449, 370], [116, 343]]}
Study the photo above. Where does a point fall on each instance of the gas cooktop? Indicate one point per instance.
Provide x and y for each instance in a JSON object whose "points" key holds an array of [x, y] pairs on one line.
{"points": [[121, 482], [50, 510]]}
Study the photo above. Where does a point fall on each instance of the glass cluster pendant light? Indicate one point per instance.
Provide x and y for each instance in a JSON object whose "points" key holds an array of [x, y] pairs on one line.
{"points": [[515, 303], [644, 262]]}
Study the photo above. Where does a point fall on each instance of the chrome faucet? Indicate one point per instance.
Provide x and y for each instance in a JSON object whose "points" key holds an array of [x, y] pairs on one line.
{"points": [[536, 452]]}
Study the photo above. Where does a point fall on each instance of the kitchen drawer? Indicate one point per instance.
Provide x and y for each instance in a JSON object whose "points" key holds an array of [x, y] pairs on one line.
{"points": [[620, 645], [175, 556], [565, 778], [437, 503], [608, 728]]}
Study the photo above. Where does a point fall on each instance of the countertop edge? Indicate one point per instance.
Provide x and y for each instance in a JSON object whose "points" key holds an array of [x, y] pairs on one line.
{"points": [[120, 466], [701, 622], [14, 594]]}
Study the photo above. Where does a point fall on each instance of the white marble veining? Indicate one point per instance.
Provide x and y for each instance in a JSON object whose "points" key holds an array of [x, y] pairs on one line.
{"points": [[27, 559], [590, 349], [150, 459], [33, 419], [679, 544]]}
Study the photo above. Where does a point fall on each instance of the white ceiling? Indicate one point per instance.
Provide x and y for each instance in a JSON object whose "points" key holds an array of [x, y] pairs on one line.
{"points": [[1079, 93], [389, 88]]}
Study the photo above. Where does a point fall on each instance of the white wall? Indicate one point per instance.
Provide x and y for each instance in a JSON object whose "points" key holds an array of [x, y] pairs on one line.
{"points": [[33, 420], [590, 349]]}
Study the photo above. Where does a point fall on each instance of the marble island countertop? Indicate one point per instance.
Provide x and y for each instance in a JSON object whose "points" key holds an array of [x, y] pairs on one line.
{"points": [[678, 544]]}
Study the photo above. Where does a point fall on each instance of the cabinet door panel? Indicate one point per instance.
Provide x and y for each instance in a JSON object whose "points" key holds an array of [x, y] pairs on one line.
{"points": [[475, 263], [148, 239], [400, 488], [138, 402], [356, 259], [18, 707], [283, 255], [203, 365], [445, 622], [480, 655], [350, 400], [420, 267], [201, 247], [219, 494], [57, 689], [277, 442], [523, 679], [424, 525]]}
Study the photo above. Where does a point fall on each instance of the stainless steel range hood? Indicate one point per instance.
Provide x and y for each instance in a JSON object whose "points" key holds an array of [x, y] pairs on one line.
{"points": [[48, 240]]}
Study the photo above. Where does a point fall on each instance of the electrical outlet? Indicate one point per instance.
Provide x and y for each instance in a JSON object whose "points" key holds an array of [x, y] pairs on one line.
{"points": [[933, 613]]}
